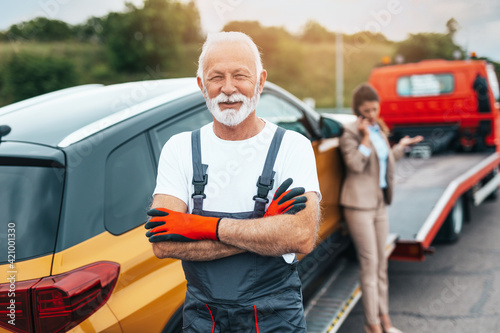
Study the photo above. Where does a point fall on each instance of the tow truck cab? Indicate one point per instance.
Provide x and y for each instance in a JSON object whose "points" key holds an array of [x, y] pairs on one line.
{"points": [[453, 104]]}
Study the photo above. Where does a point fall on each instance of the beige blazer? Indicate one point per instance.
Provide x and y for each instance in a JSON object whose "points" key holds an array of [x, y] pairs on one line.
{"points": [[362, 181]]}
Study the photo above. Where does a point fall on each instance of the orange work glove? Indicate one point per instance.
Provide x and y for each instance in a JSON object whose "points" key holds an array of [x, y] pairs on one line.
{"points": [[169, 225], [287, 202]]}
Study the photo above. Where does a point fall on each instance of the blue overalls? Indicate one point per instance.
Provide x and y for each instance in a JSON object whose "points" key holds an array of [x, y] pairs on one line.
{"points": [[246, 292]]}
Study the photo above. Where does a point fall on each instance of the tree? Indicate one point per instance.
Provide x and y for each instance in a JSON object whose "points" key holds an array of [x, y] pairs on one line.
{"points": [[364, 37], [92, 30], [282, 54], [191, 23], [41, 29], [452, 26], [150, 36], [268, 39], [314, 32], [427, 46]]}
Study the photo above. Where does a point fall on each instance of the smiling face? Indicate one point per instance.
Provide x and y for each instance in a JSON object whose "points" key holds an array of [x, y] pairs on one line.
{"points": [[370, 110], [230, 82]]}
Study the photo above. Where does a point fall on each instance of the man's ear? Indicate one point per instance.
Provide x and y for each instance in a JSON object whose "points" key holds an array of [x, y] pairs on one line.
{"points": [[263, 77], [200, 84]]}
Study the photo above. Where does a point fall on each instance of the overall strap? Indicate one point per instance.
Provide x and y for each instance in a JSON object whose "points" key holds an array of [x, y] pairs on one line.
{"points": [[200, 176], [266, 180]]}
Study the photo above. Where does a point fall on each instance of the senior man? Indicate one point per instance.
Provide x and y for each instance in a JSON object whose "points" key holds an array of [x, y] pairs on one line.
{"points": [[237, 240]]}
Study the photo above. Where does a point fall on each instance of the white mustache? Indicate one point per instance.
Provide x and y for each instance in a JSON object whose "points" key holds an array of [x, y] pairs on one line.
{"points": [[234, 98]]}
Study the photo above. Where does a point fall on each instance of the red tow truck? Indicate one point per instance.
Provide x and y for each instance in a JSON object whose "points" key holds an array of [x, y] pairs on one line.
{"points": [[455, 106]]}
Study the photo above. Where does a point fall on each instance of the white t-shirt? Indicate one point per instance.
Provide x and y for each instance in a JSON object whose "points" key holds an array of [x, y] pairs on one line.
{"points": [[234, 168]]}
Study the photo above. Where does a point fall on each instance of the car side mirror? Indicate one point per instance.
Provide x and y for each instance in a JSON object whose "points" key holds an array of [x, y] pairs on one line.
{"points": [[330, 128]]}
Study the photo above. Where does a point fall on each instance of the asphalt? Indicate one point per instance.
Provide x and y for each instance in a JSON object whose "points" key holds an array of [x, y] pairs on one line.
{"points": [[455, 290]]}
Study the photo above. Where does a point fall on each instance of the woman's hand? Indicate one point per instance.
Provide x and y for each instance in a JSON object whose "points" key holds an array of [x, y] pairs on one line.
{"points": [[407, 141], [363, 124]]}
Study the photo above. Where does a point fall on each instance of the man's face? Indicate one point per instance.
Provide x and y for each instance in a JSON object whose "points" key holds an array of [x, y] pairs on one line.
{"points": [[231, 85]]}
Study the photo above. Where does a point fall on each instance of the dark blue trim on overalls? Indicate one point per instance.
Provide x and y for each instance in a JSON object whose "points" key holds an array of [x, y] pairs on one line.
{"points": [[230, 294]]}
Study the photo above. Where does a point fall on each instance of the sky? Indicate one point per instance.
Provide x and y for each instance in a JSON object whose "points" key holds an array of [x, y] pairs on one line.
{"points": [[479, 20]]}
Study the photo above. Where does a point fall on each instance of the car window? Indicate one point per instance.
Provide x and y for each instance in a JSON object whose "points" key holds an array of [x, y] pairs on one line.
{"points": [[130, 180], [189, 121], [30, 203], [282, 113]]}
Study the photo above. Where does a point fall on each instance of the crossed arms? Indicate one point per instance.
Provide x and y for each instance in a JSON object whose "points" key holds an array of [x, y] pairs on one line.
{"points": [[271, 236]]}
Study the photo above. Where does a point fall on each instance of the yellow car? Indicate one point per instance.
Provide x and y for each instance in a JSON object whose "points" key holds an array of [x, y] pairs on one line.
{"points": [[78, 167]]}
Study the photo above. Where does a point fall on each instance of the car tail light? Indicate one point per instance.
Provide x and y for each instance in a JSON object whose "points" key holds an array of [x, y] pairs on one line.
{"points": [[15, 306], [60, 302]]}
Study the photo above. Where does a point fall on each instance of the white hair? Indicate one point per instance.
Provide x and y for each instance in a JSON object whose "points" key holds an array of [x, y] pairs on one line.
{"points": [[224, 37]]}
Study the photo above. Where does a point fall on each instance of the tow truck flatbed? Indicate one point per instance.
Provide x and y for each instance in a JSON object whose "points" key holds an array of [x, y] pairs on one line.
{"points": [[426, 191]]}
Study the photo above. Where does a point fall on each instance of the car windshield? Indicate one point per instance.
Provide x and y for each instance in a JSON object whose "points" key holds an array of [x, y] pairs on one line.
{"points": [[30, 201]]}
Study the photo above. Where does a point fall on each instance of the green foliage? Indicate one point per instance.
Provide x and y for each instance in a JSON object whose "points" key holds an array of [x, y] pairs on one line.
{"points": [[163, 39], [266, 38], [427, 46], [190, 23], [27, 75], [150, 36], [283, 55], [313, 32], [306, 66], [92, 30], [362, 38], [41, 29]]}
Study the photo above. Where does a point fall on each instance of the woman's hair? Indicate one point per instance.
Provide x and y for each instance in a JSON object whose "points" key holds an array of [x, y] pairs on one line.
{"points": [[366, 93]]}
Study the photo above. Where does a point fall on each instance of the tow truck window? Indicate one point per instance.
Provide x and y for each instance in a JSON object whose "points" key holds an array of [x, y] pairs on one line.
{"points": [[425, 85]]}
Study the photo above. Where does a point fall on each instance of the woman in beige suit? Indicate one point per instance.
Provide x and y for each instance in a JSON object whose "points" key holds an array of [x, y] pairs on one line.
{"points": [[366, 191]]}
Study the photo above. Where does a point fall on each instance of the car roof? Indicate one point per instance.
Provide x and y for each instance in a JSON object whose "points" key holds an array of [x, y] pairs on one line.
{"points": [[67, 116]]}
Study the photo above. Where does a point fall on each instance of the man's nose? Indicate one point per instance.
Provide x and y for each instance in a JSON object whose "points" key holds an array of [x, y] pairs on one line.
{"points": [[228, 86]]}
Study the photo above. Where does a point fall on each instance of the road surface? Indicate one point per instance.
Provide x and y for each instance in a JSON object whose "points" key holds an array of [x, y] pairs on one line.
{"points": [[455, 290]]}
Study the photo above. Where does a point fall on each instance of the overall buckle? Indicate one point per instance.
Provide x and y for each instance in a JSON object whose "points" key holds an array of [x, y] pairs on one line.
{"points": [[199, 187], [263, 190]]}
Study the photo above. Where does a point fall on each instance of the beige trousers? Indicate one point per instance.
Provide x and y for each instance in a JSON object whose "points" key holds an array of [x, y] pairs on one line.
{"points": [[369, 229]]}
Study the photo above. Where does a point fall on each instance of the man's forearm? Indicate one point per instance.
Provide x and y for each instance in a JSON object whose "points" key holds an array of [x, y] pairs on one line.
{"points": [[194, 251], [274, 235]]}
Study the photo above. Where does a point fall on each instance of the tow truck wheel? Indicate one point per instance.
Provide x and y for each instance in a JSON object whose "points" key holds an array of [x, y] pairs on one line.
{"points": [[494, 194], [452, 226]]}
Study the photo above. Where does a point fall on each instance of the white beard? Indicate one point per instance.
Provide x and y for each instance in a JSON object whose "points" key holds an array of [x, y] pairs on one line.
{"points": [[232, 117]]}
